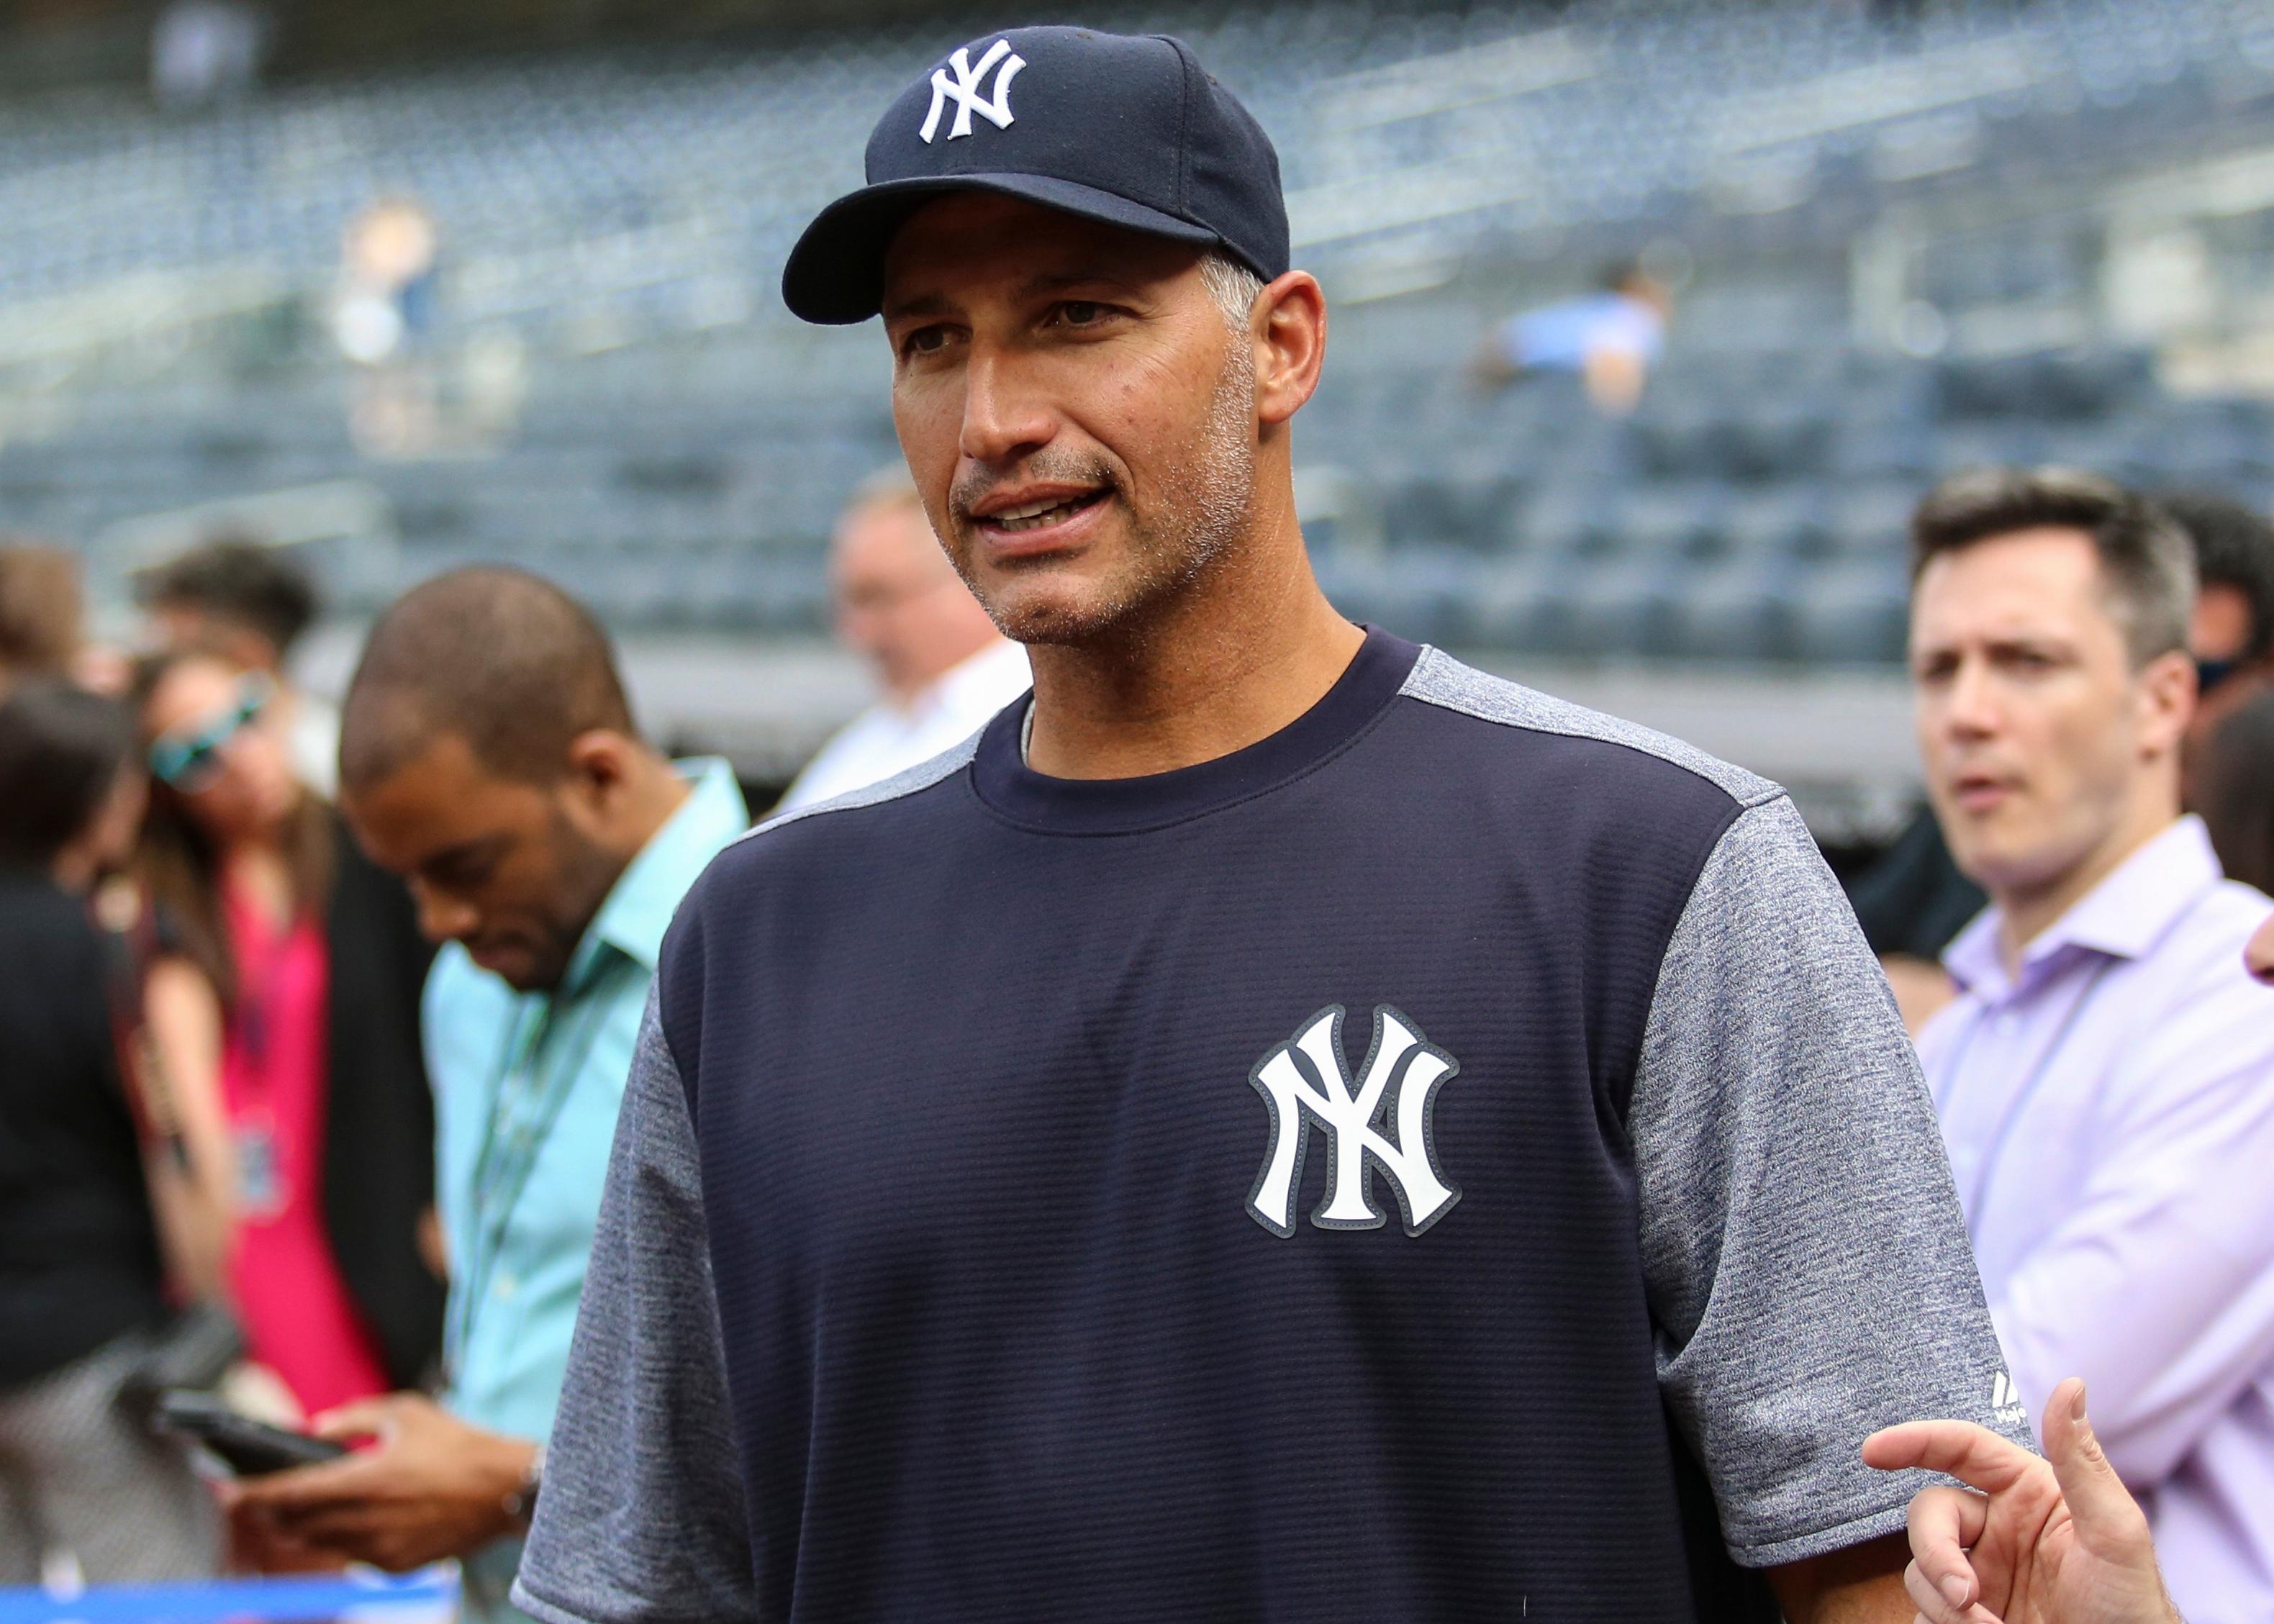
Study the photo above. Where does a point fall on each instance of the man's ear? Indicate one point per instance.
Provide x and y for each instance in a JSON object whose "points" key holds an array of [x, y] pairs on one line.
{"points": [[599, 768], [1288, 326], [2168, 701]]}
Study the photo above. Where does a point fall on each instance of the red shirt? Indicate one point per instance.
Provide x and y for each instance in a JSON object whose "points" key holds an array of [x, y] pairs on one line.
{"points": [[298, 1318]]}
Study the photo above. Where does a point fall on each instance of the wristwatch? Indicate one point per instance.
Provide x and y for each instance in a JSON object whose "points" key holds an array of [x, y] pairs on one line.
{"points": [[521, 1505]]}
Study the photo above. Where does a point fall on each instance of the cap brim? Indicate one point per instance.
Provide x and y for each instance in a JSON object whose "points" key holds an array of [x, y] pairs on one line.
{"points": [[836, 273]]}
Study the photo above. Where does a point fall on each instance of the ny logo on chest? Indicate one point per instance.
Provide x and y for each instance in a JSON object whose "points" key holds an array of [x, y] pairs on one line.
{"points": [[1306, 1085]]}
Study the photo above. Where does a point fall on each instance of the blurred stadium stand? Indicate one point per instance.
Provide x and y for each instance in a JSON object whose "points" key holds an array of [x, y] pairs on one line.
{"points": [[1913, 239]]}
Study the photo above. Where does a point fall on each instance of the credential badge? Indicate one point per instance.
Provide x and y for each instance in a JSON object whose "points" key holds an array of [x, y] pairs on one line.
{"points": [[963, 90], [1304, 1082]]}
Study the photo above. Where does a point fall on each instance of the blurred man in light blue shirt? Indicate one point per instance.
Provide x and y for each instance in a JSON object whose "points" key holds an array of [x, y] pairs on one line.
{"points": [[489, 756], [1609, 339]]}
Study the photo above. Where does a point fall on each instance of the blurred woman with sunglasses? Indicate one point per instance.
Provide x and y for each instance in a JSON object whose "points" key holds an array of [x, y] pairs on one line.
{"points": [[114, 1169], [315, 955]]}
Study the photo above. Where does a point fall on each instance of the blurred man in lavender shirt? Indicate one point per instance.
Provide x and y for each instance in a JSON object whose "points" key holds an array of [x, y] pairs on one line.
{"points": [[2105, 1080]]}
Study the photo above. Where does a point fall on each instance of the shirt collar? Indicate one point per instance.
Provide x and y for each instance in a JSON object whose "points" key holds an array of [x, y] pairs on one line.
{"points": [[639, 907], [2122, 917]]}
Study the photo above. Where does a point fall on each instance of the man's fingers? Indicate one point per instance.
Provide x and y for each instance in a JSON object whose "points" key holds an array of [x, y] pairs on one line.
{"points": [[1959, 1450], [1934, 1605], [1944, 1524], [328, 1483], [332, 1527], [2096, 1496], [369, 1417]]}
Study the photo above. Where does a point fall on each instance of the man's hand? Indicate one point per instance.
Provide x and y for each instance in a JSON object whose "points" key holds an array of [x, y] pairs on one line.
{"points": [[2056, 1541], [430, 1486]]}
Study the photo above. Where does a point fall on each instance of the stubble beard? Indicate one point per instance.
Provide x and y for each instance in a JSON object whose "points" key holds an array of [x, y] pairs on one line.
{"points": [[1203, 511]]}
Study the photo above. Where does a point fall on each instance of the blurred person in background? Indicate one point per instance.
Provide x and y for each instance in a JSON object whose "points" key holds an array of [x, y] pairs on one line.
{"points": [[2230, 634], [204, 51], [243, 597], [2051, 1539], [2106, 1077], [1913, 900], [41, 614], [489, 757], [315, 956], [2235, 791], [945, 668], [1609, 339], [106, 1187], [382, 317]]}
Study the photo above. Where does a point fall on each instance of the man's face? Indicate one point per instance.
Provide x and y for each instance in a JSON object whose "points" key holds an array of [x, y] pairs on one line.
{"points": [[513, 870], [2033, 725], [898, 602], [1079, 415]]}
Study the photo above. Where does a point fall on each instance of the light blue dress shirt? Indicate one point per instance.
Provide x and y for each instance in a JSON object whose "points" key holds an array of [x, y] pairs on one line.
{"points": [[526, 1090]]}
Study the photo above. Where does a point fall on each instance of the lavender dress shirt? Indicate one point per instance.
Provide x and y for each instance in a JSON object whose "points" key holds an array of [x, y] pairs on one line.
{"points": [[2110, 1115]]}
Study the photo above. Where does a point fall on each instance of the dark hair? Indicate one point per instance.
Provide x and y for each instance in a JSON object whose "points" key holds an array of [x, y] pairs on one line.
{"points": [[176, 860], [39, 608], [507, 661], [2234, 547], [2145, 560], [61, 751], [2231, 791], [238, 580]]}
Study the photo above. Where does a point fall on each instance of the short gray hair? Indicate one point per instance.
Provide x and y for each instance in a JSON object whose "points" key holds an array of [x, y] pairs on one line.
{"points": [[1230, 284], [2147, 563]]}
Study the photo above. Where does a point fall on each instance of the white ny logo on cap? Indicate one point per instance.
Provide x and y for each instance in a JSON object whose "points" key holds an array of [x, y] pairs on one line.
{"points": [[965, 88]]}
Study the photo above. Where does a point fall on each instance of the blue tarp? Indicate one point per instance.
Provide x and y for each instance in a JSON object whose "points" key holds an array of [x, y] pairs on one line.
{"points": [[218, 1603]]}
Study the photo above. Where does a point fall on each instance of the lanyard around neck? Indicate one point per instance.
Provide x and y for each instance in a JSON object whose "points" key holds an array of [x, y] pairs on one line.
{"points": [[1995, 1152], [505, 1160]]}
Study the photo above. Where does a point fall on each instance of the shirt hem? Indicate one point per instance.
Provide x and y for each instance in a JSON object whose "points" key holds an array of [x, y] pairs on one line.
{"points": [[551, 1613], [1800, 1547]]}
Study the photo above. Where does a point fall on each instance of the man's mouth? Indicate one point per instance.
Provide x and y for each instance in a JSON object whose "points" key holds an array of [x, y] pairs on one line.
{"points": [[1979, 792], [1041, 513]]}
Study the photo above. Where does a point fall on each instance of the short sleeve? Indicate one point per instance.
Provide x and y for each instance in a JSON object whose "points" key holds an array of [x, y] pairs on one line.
{"points": [[640, 1519], [1808, 1270]]}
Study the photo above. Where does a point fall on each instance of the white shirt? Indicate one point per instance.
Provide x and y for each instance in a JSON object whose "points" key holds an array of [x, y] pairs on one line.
{"points": [[889, 738], [2110, 1115]]}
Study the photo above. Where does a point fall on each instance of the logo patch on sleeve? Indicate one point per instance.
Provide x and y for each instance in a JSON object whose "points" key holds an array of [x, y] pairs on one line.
{"points": [[2005, 1400]]}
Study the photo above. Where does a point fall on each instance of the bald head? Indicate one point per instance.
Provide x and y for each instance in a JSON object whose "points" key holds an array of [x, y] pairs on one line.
{"points": [[900, 601], [507, 661]]}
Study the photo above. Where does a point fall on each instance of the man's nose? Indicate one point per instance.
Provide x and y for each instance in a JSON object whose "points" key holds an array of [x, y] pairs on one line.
{"points": [[442, 917], [1003, 419], [1972, 709]]}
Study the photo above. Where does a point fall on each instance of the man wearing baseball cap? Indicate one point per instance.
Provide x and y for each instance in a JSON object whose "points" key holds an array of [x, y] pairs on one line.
{"points": [[1280, 1125]]}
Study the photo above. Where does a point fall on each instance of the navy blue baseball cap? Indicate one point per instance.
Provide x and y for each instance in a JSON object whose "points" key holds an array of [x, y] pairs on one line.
{"points": [[1129, 130]]}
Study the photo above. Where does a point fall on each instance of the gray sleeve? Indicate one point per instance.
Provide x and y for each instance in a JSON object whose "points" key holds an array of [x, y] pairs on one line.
{"points": [[640, 1519], [1807, 1267]]}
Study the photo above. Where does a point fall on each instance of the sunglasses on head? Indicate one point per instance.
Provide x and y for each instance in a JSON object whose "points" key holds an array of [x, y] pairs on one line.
{"points": [[187, 757]]}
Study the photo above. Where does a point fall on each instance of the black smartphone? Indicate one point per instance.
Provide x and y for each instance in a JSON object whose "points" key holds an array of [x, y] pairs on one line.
{"points": [[246, 1447]]}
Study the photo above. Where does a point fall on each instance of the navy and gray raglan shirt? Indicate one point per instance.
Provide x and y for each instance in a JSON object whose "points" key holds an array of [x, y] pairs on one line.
{"points": [[1402, 1170]]}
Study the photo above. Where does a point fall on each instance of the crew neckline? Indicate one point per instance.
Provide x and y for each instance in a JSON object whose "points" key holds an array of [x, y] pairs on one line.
{"points": [[1013, 790]]}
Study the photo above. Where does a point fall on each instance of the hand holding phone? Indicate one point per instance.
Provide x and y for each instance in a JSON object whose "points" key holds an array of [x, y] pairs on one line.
{"points": [[249, 1448]]}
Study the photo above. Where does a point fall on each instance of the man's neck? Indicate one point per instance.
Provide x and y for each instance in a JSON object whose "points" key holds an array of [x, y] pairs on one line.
{"points": [[1216, 672], [659, 795], [2028, 913]]}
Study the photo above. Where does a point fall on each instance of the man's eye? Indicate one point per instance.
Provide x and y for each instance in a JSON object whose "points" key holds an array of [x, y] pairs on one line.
{"points": [[1082, 312], [925, 341]]}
